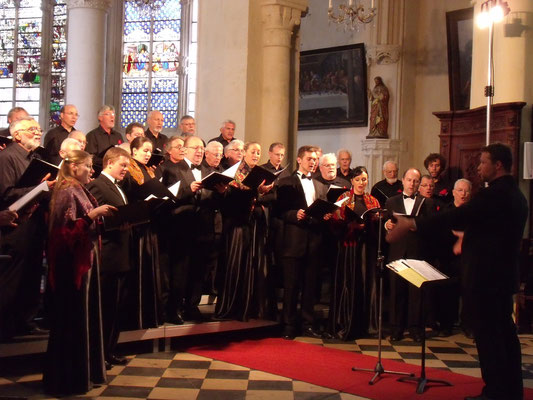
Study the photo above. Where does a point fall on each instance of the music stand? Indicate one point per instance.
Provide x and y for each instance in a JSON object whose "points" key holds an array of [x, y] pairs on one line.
{"points": [[378, 369], [422, 380]]}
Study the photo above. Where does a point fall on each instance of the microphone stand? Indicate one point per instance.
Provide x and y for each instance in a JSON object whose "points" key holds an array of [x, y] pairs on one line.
{"points": [[378, 369]]}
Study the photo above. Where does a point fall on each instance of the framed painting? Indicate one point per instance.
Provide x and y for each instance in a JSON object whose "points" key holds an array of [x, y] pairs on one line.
{"points": [[332, 88], [460, 30]]}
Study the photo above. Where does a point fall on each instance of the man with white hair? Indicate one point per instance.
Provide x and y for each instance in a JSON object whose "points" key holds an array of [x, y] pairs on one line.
{"points": [[328, 172], [233, 153], [227, 133], [390, 186], [68, 145], [447, 296], [155, 121], [103, 137], [213, 155], [344, 171], [20, 279], [80, 137]]}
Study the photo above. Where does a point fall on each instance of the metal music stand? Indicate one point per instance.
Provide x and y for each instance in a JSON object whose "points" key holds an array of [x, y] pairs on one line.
{"points": [[378, 369], [422, 380]]}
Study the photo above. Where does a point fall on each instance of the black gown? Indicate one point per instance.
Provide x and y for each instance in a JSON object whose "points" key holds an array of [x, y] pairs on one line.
{"points": [[353, 308], [245, 290], [74, 357], [144, 294]]}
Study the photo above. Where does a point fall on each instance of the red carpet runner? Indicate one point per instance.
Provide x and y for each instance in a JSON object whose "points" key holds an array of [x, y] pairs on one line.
{"points": [[332, 368]]}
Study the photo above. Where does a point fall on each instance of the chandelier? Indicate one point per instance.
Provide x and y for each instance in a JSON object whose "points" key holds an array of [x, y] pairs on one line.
{"points": [[147, 7], [352, 16]]}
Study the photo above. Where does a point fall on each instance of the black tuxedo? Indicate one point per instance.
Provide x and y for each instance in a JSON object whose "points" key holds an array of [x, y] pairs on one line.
{"points": [[493, 224], [115, 244], [405, 298], [300, 251], [115, 254], [193, 233]]}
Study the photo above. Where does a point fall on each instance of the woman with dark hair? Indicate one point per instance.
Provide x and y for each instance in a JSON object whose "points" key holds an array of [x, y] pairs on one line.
{"points": [[244, 270], [353, 303], [74, 358], [145, 283]]}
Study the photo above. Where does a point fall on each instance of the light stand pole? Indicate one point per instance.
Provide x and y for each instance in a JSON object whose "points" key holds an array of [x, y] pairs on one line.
{"points": [[491, 11]]}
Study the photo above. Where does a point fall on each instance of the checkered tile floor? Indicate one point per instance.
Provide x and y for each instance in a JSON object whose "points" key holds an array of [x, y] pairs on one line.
{"points": [[178, 375]]}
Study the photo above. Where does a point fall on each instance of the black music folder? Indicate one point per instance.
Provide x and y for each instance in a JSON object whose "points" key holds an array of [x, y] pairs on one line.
{"points": [[334, 192], [351, 215], [259, 174], [136, 213], [155, 159], [36, 171], [214, 178], [319, 208]]}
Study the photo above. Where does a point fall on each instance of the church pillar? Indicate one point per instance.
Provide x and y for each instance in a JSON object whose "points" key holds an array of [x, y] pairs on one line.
{"points": [[86, 58], [279, 18]]}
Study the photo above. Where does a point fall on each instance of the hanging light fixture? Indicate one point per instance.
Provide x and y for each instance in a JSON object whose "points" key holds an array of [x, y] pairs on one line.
{"points": [[147, 7], [352, 16]]}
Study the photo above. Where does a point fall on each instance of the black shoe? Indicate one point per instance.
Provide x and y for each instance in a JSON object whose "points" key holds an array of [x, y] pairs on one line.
{"points": [[327, 335], [396, 337], [417, 337], [310, 332], [194, 314], [288, 336], [108, 366], [116, 360], [445, 333], [480, 397], [468, 333], [176, 319]]}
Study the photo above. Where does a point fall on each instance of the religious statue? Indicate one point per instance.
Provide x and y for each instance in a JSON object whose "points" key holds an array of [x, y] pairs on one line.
{"points": [[379, 110]]}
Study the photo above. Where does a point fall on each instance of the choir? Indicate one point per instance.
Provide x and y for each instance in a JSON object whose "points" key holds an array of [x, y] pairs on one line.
{"points": [[137, 244]]}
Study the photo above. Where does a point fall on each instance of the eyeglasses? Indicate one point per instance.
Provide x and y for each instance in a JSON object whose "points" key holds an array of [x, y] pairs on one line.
{"points": [[196, 148], [33, 131], [238, 150]]}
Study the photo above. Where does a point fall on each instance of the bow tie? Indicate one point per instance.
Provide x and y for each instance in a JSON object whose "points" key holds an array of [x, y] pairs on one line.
{"points": [[306, 177], [409, 197], [194, 166]]}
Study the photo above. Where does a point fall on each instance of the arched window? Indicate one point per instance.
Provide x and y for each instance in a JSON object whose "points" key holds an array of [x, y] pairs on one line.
{"points": [[159, 60], [32, 57]]}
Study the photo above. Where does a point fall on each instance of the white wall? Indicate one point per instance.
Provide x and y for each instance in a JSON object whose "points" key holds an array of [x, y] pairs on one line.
{"points": [[222, 65], [317, 32]]}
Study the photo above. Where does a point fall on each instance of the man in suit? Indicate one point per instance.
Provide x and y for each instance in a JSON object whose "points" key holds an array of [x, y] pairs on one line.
{"points": [[493, 223], [405, 298], [187, 265], [300, 254], [115, 249]]}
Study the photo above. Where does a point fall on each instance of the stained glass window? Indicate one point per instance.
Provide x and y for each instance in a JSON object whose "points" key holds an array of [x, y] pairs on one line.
{"points": [[151, 70], [21, 40], [59, 58]]}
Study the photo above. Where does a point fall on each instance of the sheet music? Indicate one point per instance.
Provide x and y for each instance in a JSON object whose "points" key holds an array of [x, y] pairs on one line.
{"points": [[231, 171], [28, 197], [175, 188], [425, 269], [341, 202]]}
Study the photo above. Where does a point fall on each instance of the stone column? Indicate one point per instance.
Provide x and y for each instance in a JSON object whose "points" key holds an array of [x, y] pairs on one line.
{"points": [[86, 58], [279, 17], [383, 59]]}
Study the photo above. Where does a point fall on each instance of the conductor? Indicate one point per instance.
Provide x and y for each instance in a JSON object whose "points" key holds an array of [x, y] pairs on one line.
{"points": [[493, 224]]}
